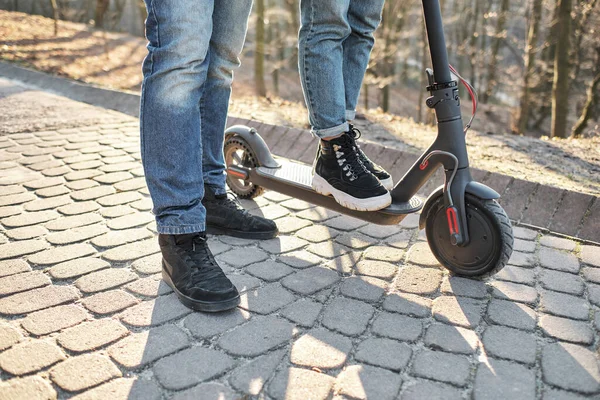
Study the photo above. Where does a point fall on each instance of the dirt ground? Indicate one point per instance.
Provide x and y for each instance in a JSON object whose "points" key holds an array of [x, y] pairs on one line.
{"points": [[113, 60]]}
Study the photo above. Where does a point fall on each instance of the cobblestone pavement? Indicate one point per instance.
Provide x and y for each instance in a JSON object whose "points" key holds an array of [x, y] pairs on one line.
{"points": [[333, 308]]}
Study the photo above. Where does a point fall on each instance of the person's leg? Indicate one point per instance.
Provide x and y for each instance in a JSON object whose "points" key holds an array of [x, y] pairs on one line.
{"points": [[175, 71], [364, 18], [338, 170], [223, 215]]}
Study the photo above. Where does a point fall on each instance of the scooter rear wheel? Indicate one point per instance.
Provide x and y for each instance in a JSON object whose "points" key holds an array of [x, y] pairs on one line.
{"points": [[490, 232], [238, 152]]}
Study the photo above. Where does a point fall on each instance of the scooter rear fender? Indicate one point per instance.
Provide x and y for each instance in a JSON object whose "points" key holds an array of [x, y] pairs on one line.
{"points": [[258, 145]]}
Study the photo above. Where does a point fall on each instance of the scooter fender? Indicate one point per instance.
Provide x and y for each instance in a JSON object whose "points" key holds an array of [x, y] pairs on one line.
{"points": [[475, 188], [256, 142]]}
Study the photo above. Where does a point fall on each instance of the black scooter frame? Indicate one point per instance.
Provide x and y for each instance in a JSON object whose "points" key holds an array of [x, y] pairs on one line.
{"points": [[448, 151]]}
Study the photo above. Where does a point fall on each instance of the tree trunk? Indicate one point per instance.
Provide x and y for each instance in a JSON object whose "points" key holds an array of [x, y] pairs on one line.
{"points": [[531, 51], [593, 97], [54, 15], [498, 39], [560, 87], [259, 51], [365, 94], [101, 8]]}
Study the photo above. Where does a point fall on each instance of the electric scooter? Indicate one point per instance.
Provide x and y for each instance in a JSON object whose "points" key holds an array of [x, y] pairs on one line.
{"points": [[467, 230]]}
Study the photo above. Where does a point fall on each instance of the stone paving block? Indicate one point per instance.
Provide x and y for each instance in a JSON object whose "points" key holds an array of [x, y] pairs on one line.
{"points": [[257, 336], [61, 254], [26, 232], [92, 335], [200, 363], [570, 213], [37, 299], [151, 286], [320, 348], [272, 211], [570, 367], [590, 274], [409, 304], [21, 282], [291, 224], [46, 165], [14, 266], [345, 223], [10, 211], [522, 260], [30, 387], [418, 280], [109, 302], [562, 282], [356, 241], [148, 265], [15, 199], [300, 384], [118, 159], [524, 246], [303, 312], [8, 336], [130, 221], [366, 382], [241, 257], [421, 254], [31, 356], [143, 348], [510, 343], [554, 394], [114, 177], [282, 244], [516, 196], [377, 269], [47, 203], [511, 314], [73, 221], [123, 389], [511, 273], [558, 260], [542, 205], [44, 183], [83, 174], [564, 305], [311, 280], [155, 312], [119, 198], [116, 211], [250, 378], [590, 255], [441, 366], [91, 164], [431, 390], [29, 218], [567, 329], [384, 253], [84, 371], [461, 311], [594, 294], [558, 243], [347, 316], [328, 249], [130, 184], [317, 233], [379, 231], [76, 235], [74, 268], [266, 299], [208, 391], [105, 279], [363, 288], [397, 327], [346, 264], [82, 184], [464, 287], [591, 224], [52, 191], [53, 319], [118, 238], [14, 189], [384, 353], [452, 339], [205, 325], [498, 182], [78, 208], [132, 251], [93, 192], [243, 282], [499, 380], [269, 271], [514, 291]]}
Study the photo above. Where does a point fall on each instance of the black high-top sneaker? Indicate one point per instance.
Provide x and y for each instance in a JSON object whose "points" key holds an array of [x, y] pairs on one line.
{"points": [[339, 172], [225, 216], [380, 173], [191, 270]]}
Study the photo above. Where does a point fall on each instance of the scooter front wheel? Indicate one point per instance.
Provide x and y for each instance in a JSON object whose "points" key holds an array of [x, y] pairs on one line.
{"points": [[239, 153], [490, 233]]}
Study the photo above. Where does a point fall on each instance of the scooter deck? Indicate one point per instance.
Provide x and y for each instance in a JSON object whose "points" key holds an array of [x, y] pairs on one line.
{"points": [[294, 179]]}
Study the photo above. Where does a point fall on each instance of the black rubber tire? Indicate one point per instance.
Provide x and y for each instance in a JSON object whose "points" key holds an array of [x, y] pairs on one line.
{"points": [[249, 160], [491, 238]]}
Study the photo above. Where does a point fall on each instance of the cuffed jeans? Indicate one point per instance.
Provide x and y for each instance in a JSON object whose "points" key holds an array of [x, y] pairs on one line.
{"points": [[193, 48], [335, 42]]}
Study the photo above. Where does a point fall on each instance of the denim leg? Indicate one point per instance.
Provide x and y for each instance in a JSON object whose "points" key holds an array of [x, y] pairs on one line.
{"points": [[364, 17], [175, 70], [230, 22], [320, 57]]}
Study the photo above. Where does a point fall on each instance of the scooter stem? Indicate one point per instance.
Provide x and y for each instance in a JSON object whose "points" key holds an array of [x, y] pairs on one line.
{"points": [[437, 41]]}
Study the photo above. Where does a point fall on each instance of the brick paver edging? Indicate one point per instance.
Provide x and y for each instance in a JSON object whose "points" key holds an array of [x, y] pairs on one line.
{"points": [[528, 203]]}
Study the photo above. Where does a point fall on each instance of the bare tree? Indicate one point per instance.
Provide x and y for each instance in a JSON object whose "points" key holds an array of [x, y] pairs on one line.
{"points": [[259, 50], [560, 87], [498, 40], [593, 98], [54, 15]]}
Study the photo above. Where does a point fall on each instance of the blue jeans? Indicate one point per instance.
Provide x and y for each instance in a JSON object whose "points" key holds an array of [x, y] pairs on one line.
{"points": [[193, 48], [335, 42]]}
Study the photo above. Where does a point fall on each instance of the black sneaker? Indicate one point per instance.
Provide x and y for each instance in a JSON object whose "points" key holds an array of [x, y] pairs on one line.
{"points": [[191, 270], [225, 216], [339, 172], [380, 173]]}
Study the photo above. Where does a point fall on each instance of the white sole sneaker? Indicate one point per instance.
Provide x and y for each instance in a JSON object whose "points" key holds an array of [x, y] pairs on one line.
{"points": [[388, 183], [321, 186]]}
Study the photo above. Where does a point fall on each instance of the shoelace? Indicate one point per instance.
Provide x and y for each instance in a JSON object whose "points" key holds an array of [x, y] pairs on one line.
{"points": [[350, 162], [205, 266], [356, 134]]}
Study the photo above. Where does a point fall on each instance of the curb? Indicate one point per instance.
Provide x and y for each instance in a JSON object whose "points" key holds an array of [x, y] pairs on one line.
{"points": [[568, 213]]}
